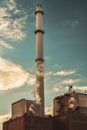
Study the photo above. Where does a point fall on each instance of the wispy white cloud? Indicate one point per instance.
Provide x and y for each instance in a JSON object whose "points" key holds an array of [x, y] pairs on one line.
{"points": [[10, 27], [64, 73], [4, 118], [57, 66], [78, 88], [60, 73], [83, 88], [69, 81], [47, 58], [56, 89], [48, 74], [3, 12], [11, 4], [72, 23], [5, 45], [13, 76]]}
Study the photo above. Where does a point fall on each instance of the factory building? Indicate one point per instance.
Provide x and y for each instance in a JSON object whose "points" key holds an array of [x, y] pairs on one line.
{"points": [[27, 114], [27, 122], [22, 107], [70, 113], [69, 110], [68, 102]]}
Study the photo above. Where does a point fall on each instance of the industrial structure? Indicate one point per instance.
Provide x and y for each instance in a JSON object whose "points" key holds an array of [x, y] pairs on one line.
{"points": [[27, 114], [39, 60], [36, 107], [69, 101], [23, 107], [69, 110]]}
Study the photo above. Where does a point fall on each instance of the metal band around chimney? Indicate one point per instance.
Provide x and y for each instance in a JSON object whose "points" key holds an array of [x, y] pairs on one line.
{"points": [[39, 30], [39, 59], [39, 11]]}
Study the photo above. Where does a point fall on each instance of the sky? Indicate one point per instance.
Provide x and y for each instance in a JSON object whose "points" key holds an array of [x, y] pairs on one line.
{"points": [[65, 50]]}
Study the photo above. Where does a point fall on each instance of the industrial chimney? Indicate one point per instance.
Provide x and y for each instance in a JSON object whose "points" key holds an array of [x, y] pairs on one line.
{"points": [[39, 60]]}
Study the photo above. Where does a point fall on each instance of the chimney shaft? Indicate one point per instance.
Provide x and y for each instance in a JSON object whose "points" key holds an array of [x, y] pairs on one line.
{"points": [[39, 60]]}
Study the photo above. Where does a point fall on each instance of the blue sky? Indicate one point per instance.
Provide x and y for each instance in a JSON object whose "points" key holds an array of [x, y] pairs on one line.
{"points": [[65, 50]]}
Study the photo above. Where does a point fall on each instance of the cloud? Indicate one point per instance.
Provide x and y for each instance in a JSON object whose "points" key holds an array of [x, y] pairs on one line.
{"points": [[64, 73], [49, 110], [48, 74], [60, 73], [78, 88], [11, 4], [3, 12], [47, 58], [83, 88], [57, 66], [13, 76], [69, 81], [72, 23], [12, 21], [4, 118], [56, 89], [75, 23], [5, 45]]}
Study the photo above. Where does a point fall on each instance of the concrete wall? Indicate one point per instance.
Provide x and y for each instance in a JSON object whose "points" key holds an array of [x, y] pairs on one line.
{"points": [[18, 109], [69, 102], [23, 106], [82, 100]]}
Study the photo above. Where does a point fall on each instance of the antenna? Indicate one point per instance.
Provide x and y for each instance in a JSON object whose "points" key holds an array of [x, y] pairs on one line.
{"points": [[70, 88]]}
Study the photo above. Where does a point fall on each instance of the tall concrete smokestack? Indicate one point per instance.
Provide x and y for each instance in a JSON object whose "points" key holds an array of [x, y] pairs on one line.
{"points": [[39, 60]]}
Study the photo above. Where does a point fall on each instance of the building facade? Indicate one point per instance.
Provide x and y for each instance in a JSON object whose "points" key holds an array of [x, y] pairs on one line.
{"points": [[23, 107], [69, 102], [71, 109]]}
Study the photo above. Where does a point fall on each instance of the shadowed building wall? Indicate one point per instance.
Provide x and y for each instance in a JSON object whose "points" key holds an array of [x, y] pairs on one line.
{"points": [[71, 108], [27, 122]]}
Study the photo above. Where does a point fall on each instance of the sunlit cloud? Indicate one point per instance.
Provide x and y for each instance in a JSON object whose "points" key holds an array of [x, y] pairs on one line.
{"points": [[60, 73], [83, 88], [47, 58], [77, 88], [13, 76], [56, 89], [5, 45], [69, 81], [11, 4], [48, 73], [12, 27], [3, 12], [64, 73]]}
